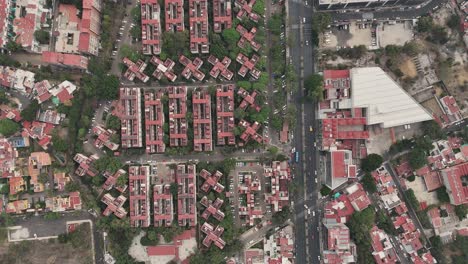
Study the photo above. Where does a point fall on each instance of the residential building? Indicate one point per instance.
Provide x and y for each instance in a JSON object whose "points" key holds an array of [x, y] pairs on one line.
{"points": [[163, 206], [90, 27], [135, 70], [220, 67], [249, 189], [222, 15], [154, 122], [454, 179], [225, 114], [39, 131], [61, 179], [254, 256], [17, 79], [251, 132], [432, 179], [8, 156], [341, 168], [5, 23], [8, 112], [179, 250], [63, 93], [41, 91], [278, 176], [284, 133], [174, 15], [50, 116], [163, 69], [177, 116], [198, 19], [212, 208], [340, 247], [114, 205], [213, 235], [202, 131], [29, 16], [72, 201], [247, 37], [187, 195], [338, 210], [138, 177], [248, 100], [211, 181], [245, 10], [38, 164], [248, 65], [150, 27], [192, 68], [17, 207], [17, 185], [85, 165], [112, 181], [382, 248], [104, 138], [358, 197], [279, 247], [65, 60], [129, 112], [409, 234]]}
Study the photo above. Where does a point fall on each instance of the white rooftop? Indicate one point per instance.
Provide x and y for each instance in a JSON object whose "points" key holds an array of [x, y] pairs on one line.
{"points": [[386, 102]]}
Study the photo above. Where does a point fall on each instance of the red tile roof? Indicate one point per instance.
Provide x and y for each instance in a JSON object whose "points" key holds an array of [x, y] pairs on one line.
{"points": [[225, 114], [151, 27], [69, 60], [456, 189], [222, 15]]}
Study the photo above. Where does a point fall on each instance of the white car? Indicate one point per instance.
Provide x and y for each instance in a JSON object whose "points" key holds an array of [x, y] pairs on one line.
{"points": [[303, 20], [307, 43], [316, 180]]}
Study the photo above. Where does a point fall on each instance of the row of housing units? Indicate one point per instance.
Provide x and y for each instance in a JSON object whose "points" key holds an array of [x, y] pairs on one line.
{"points": [[198, 21], [129, 108]]}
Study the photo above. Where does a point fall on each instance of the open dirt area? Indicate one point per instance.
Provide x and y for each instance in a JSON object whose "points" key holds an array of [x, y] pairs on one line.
{"points": [[432, 106], [396, 34], [420, 191], [408, 68]]}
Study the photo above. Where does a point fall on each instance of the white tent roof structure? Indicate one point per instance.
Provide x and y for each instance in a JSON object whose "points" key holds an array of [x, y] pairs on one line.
{"points": [[386, 102]]}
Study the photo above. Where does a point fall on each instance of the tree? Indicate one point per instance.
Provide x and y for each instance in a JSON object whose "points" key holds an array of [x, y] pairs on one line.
{"points": [[442, 195], [368, 183], [314, 87], [43, 178], [384, 222], [175, 44], [42, 36], [6, 60], [325, 190], [412, 200], [29, 113], [122, 180], [110, 164], [371, 162], [231, 36], [259, 7], [280, 217], [13, 46], [8, 127], [58, 143], [108, 87], [129, 52], [461, 211], [453, 22], [411, 178], [113, 122], [425, 24], [97, 180], [4, 98], [417, 158], [320, 22]]}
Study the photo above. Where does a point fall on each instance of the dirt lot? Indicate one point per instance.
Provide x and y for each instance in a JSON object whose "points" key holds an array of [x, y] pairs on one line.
{"points": [[76, 250], [408, 68]]}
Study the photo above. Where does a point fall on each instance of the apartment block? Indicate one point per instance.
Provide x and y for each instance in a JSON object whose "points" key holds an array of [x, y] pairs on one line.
{"points": [[211, 181], [279, 176], [150, 27], [129, 112], [163, 69], [248, 100], [247, 37], [154, 121], [192, 68], [187, 195], [138, 177], [250, 131], [249, 187], [114, 205], [177, 119], [85, 165], [222, 15], [245, 10], [248, 65], [220, 67], [111, 181], [104, 138], [213, 235], [162, 205], [212, 208], [174, 15], [198, 10], [225, 114], [135, 70], [202, 131]]}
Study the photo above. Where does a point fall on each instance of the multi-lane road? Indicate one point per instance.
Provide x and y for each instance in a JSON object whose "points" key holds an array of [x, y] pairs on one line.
{"points": [[301, 54]]}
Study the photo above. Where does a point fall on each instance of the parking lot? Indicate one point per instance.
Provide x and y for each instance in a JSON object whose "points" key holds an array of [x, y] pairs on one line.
{"points": [[371, 34]]}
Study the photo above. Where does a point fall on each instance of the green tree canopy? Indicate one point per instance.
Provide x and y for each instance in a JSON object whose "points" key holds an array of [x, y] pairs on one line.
{"points": [[417, 158], [314, 87], [371, 162], [320, 22], [425, 24], [8, 127], [29, 113], [442, 195], [42, 36], [368, 183], [280, 217]]}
